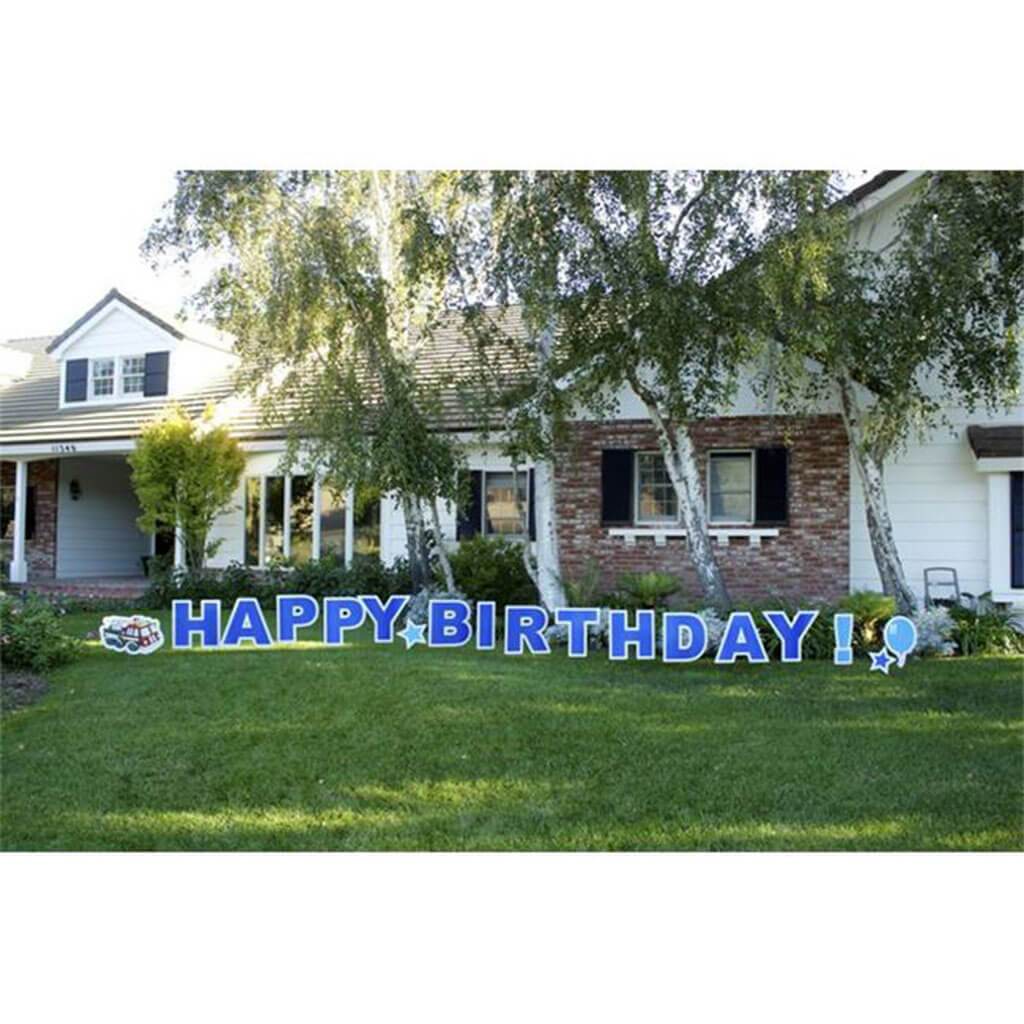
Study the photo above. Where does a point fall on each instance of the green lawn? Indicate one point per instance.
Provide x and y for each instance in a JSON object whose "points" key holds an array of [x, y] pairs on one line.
{"points": [[373, 748]]}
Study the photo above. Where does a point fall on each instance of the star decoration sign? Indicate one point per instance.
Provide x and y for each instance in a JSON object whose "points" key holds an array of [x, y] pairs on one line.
{"points": [[881, 660], [413, 634]]}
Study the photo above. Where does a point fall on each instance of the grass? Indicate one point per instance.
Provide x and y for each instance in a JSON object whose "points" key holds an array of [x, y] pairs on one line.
{"points": [[373, 748]]}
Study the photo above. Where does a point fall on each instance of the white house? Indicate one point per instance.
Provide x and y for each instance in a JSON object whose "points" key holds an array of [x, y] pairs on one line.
{"points": [[784, 500]]}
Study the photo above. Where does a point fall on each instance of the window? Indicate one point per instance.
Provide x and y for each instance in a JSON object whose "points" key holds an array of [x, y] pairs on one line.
{"points": [[332, 521], [273, 501], [367, 524], [102, 377], [133, 375], [731, 487], [504, 514], [655, 494], [301, 513]]}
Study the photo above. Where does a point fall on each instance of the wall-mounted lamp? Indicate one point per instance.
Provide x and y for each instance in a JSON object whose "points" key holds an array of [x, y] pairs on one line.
{"points": [[75, 488]]}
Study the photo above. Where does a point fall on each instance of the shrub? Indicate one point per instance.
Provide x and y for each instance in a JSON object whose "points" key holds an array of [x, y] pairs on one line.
{"points": [[818, 642], [647, 589], [870, 611], [319, 578], [934, 631], [418, 608], [31, 637], [492, 569], [990, 631]]}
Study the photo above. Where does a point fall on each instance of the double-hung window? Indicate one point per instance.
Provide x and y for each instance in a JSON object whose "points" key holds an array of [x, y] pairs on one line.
{"points": [[505, 503], [731, 487], [133, 375], [101, 378]]}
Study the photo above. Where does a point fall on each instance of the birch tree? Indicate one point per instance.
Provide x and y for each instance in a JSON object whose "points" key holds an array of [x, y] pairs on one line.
{"points": [[898, 335], [652, 279], [314, 276], [497, 258]]}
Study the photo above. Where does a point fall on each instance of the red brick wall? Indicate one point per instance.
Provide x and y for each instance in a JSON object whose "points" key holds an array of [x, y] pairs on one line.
{"points": [[810, 557], [41, 551]]}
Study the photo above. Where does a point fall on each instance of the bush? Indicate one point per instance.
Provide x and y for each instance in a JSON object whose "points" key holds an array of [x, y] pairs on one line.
{"points": [[31, 637], [647, 589], [319, 578], [418, 608], [934, 631], [990, 631], [871, 611], [492, 569], [819, 640]]}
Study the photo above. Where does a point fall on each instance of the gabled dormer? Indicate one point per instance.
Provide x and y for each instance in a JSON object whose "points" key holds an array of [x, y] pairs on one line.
{"points": [[120, 352]]}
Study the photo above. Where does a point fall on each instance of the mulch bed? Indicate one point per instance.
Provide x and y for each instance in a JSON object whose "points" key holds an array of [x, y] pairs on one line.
{"points": [[19, 689]]}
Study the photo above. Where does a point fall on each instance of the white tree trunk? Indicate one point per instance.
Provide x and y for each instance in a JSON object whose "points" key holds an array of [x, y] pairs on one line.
{"points": [[548, 576], [547, 566], [870, 470], [442, 553], [419, 564], [681, 462]]}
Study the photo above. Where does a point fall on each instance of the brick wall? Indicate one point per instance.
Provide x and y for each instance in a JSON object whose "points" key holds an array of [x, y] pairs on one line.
{"points": [[41, 551], [809, 558]]}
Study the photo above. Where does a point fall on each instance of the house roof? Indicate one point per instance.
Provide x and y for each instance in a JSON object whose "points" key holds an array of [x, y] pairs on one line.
{"points": [[113, 296], [30, 411], [996, 442], [880, 180]]}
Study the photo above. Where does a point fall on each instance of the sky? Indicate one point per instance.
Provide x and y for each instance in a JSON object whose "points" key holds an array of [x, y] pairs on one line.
{"points": [[70, 234]]}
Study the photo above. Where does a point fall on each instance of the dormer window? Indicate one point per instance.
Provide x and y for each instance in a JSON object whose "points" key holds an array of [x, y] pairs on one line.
{"points": [[101, 378], [133, 375]]}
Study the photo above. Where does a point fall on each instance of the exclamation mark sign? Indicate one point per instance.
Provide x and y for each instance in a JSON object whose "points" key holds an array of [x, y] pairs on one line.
{"points": [[842, 624]]}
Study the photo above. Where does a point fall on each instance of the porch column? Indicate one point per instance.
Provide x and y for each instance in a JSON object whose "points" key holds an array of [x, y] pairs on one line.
{"points": [[350, 525], [18, 569], [316, 517], [287, 542], [179, 547]]}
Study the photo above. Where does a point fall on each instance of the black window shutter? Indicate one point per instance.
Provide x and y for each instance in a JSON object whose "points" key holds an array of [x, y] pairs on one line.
{"points": [[156, 374], [772, 485], [1017, 530], [468, 523], [30, 512], [76, 380], [617, 486], [532, 504]]}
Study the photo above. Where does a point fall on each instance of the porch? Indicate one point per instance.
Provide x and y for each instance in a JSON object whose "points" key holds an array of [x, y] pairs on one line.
{"points": [[68, 524]]}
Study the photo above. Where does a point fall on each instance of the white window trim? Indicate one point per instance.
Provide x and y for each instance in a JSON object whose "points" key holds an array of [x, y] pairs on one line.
{"points": [[664, 521], [120, 374], [118, 395], [514, 473], [91, 395], [287, 535], [999, 553], [669, 521], [752, 453]]}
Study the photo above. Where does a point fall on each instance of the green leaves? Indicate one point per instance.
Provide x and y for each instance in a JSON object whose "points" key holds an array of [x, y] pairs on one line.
{"points": [[185, 474]]}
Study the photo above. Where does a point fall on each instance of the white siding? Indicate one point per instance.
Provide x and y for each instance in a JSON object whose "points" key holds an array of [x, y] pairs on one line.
{"points": [[97, 534], [939, 503]]}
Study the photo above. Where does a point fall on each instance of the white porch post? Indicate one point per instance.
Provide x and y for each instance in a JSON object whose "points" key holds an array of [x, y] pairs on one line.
{"points": [[287, 543], [350, 525], [316, 517], [179, 547], [18, 570]]}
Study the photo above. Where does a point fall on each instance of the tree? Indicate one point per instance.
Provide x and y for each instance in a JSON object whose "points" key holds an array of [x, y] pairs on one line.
{"points": [[652, 279], [185, 474], [482, 227], [316, 277], [900, 334]]}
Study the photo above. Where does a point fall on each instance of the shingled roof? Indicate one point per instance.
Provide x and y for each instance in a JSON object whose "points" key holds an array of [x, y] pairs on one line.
{"points": [[30, 409]]}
